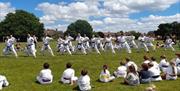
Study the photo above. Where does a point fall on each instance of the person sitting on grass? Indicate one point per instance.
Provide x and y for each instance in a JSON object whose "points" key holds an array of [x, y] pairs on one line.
{"points": [[155, 64], [146, 59], [45, 76], [132, 77], [129, 63], [69, 75], [105, 75], [155, 73], [163, 65], [3, 82], [84, 81], [144, 74], [177, 62], [121, 70], [171, 72]]}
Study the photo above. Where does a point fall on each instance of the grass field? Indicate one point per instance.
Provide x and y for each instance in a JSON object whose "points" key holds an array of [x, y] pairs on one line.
{"points": [[21, 72]]}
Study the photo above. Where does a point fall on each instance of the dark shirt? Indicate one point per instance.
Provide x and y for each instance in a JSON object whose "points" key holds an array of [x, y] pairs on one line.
{"points": [[144, 74]]}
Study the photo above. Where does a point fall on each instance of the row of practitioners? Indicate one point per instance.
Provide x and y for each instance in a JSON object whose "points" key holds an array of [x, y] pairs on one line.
{"points": [[150, 71], [84, 44]]}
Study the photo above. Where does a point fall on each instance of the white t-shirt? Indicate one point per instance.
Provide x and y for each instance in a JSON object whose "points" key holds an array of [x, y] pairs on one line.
{"points": [[84, 83]]}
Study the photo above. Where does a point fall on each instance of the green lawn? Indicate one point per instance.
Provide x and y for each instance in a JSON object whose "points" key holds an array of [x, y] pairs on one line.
{"points": [[21, 72]]}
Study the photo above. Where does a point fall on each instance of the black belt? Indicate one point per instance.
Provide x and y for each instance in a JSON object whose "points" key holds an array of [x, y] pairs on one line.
{"points": [[155, 76]]}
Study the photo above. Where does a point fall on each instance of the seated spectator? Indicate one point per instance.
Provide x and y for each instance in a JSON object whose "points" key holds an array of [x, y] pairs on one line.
{"points": [[132, 77], [69, 75], [144, 74], [129, 63], [105, 75], [3, 82], [84, 81], [171, 72], [155, 73], [163, 65], [121, 70], [45, 75]]}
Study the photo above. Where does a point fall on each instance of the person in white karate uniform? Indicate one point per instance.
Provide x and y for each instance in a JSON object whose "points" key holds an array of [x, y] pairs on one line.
{"points": [[131, 41], [163, 65], [68, 76], [154, 72], [148, 41], [171, 71], [30, 48], [105, 75], [66, 45], [177, 62], [70, 42], [121, 70], [108, 44], [129, 63], [80, 45], [3, 82], [94, 44], [122, 43], [46, 45], [86, 42], [84, 81], [9, 46], [141, 43], [60, 45], [155, 64], [146, 59], [45, 76], [169, 43]]}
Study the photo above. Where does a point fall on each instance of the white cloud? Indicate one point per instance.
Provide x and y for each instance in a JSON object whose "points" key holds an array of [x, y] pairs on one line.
{"points": [[5, 8], [114, 13]]}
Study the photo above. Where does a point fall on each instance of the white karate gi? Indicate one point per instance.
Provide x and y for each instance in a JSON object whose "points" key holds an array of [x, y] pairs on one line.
{"points": [[84, 83], [148, 41], [80, 45], [108, 44], [45, 76], [3, 82], [142, 43], [168, 44], [177, 62], [30, 49], [68, 76], [155, 74], [10, 47], [169, 73], [121, 71], [163, 65], [46, 45], [131, 41], [123, 43]]}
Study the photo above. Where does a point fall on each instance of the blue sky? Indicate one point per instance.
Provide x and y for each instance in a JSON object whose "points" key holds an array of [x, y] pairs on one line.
{"points": [[104, 12]]}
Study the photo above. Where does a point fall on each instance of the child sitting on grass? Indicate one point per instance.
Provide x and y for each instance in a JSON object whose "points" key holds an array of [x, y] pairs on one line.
{"points": [[45, 76]]}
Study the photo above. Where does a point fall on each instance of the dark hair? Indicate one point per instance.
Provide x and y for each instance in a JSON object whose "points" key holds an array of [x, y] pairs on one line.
{"points": [[162, 56], [132, 69], [84, 72], [105, 67], [122, 63], [153, 58], [127, 59], [146, 57], [46, 65], [145, 66], [68, 65]]}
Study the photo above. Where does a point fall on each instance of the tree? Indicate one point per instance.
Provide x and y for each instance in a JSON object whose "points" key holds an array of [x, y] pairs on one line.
{"points": [[20, 23], [168, 29], [80, 26]]}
